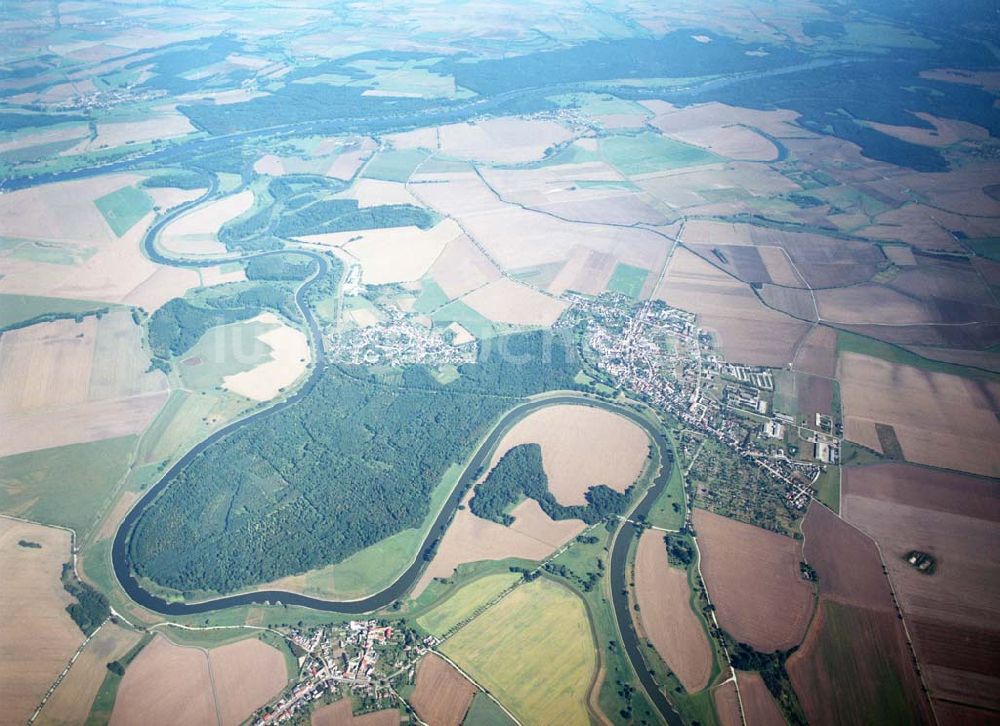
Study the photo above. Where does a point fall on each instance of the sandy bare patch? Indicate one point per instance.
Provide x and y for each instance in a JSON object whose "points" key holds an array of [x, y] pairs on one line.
{"points": [[290, 356], [942, 420], [990, 80], [663, 596], [751, 574], [347, 164], [945, 132], [747, 331], [899, 255], [269, 164], [530, 520], [393, 254], [443, 695], [471, 539], [197, 232], [575, 441], [37, 636], [246, 675], [422, 138], [363, 317], [72, 701], [462, 336], [502, 140], [110, 523], [165, 684], [506, 301]]}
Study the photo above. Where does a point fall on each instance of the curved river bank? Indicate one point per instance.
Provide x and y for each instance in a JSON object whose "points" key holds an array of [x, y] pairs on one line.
{"points": [[619, 545]]}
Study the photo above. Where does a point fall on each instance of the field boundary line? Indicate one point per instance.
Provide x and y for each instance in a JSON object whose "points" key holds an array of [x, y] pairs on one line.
{"points": [[473, 681]]}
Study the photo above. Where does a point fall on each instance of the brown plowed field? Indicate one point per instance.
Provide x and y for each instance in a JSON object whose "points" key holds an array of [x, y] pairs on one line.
{"points": [[759, 706], [246, 675], [443, 695], [943, 420], [818, 353], [752, 576], [727, 704], [165, 684], [462, 268], [854, 667], [953, 613], [37, 636], [845, 560], [747, 331], [334, 714], [664, 597]]}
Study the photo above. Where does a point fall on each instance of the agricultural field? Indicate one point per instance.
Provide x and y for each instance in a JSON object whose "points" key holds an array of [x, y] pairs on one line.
{"points": [[443, 695], [573, 440], [751, 573], [167, 682], [459, 606], [534, 651], [197, 232], [665, 613], [123, 208], [34, 603], [950, 612]]}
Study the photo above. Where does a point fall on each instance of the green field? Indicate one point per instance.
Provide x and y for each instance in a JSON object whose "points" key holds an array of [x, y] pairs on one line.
{"points": [[431, 297], [627, 280], [463, 603], [648, 152], [51, 253], [394, 166], [19, 308], [484, 712], [534, 651], [66, 485], [223, 351], [828, 488], [459, 312], [988, 247], [123, 208]]}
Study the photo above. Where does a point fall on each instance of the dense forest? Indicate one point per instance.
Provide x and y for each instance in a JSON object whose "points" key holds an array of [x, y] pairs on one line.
{"points": [[278, 267], [519, 473], [350, 464], [91, 607]]}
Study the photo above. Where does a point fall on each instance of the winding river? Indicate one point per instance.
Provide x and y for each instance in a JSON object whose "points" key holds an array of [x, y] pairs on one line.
{"points": [[619, 546]]}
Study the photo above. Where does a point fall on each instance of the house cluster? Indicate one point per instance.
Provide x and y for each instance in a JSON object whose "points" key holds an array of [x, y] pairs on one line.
{"points": [[659, 354], [362, 657]]}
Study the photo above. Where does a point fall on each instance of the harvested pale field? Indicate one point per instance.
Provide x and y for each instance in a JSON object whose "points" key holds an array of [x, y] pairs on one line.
{"points": [[373, 192], [752, 576], [168, 197], [575, 442], [953, 613], [747, 331], [71, 702], [37, 636], [530, 520], [854, 667], [443, 695], [110, 523], [501, 140], [759, 706], [506, 301], [585, 271], [517, 238], [845, 559], [245, 676], [363, 317], [471, 539], [817, 355], [62, 212], [269, 164], [462, 267], [392, 254], [727, 704], [944, 131], [943, 420], [990, 80], [77, 374], [165, 684], [39, 137], [347, 163], [422, 138], [290, 357], [118, 133], [197, 232], [673, 119], [780, 267], [664, 596]]}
